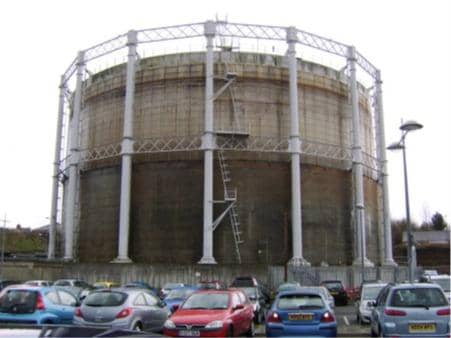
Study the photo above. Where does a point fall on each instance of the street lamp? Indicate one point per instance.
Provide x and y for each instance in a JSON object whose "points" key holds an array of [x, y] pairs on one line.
{"points": [[406, 127]]}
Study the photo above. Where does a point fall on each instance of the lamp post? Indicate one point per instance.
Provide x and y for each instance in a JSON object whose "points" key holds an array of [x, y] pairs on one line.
{"points": [[406, 127]]}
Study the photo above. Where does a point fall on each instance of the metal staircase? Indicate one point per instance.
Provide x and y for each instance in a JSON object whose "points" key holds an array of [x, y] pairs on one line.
{"points": [[230, 197]]}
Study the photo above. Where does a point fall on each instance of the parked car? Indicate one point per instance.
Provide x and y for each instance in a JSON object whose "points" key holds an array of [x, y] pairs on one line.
{"points": [[323, 292], [249, 281], [258, 302], [337, 290], [105, 285], [300, 312], [168, 287], [142, 285], [444, 281], [209, 285], [177, 296], [212, 313], [290, 286], [39, 283], [4, 283], [363, 306], [37, 305], [78, 287], [411, 309], [123, 308]]}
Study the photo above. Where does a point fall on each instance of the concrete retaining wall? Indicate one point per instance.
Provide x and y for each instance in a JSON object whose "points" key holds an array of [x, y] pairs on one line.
{"points": [[157, 275]]}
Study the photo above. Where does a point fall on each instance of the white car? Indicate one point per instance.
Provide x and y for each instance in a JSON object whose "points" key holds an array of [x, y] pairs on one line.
{"points": [[363, 305], [444, 281]]}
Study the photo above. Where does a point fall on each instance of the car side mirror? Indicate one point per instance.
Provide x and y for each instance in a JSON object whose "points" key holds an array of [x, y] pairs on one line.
{"points": [[174, 308], [238, 307], [372, 303]]}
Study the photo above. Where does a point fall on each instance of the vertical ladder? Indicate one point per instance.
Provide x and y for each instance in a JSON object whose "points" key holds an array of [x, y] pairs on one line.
{"points": [[230, 197]]}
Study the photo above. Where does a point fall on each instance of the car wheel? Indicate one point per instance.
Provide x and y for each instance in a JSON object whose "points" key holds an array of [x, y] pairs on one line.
{"points": [[251, 331], [137, 326], [230, 331], [373, 333]]}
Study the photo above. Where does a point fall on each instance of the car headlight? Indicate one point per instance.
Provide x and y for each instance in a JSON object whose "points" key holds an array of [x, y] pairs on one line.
{"points": [[216, 324], [169, 324]]}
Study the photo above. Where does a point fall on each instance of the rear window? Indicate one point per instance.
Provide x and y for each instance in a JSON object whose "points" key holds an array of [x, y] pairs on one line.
{"points": [[333, 285], [418, 297], [18, 301], [105, 299], [300, 301]]}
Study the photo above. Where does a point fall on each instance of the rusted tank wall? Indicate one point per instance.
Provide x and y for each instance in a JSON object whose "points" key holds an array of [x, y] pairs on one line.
{"points": [[166, 213], [167, 188]]}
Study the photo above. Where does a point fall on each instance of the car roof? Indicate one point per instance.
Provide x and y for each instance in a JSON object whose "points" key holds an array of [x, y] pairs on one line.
{"points": [[415, 285], [432, 277], [299, 291], [366, 285]]}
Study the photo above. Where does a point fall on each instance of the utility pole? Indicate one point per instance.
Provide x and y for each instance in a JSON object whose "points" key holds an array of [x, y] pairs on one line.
{"points": [[3, 245]]}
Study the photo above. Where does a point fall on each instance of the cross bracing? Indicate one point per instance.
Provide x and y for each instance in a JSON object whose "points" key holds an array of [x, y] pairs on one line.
{"points": [[223, 29]]}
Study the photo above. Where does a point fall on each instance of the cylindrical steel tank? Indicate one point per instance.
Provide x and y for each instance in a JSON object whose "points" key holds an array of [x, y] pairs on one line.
{"points": [[252, 125]]}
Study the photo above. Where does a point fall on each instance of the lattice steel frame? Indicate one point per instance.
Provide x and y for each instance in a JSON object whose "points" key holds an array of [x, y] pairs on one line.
{"points": [[230, 30]]}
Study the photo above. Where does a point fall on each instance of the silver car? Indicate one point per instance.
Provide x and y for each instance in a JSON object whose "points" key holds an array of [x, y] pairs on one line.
{"points": [[411, 310], [363, 305], [122, 308], [328, 298]]}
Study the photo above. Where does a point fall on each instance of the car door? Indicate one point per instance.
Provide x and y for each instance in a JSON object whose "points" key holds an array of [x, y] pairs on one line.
{"points": [[52, 305], [158, 314], [378, 309], [239, 317], [141, 310], [67, 305]]}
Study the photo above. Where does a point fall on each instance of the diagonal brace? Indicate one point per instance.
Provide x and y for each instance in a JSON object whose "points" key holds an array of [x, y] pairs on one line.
{"points": [[224, 213]]}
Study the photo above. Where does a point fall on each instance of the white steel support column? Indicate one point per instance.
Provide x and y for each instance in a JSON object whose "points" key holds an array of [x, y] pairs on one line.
{"points": [[56, 169], [295, 150], [357, 166], [388, 254], [73, 167], [127, 153], [208, 146]]}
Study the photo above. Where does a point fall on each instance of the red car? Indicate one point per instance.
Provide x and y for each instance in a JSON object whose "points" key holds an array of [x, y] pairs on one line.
{"points": [[212, 313]]}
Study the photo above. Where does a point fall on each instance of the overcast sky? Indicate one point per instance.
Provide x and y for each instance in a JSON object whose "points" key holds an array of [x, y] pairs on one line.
{"points": [[410, 41]]}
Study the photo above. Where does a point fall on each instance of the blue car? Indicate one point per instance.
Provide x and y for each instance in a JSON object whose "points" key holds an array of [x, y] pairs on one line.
{"points": [[301, 312], [178, 295], [37, 305]]}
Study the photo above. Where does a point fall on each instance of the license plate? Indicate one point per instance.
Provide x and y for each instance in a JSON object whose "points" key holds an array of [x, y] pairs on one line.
{"points": [[300, 316], [189, 333], [422, 327]]}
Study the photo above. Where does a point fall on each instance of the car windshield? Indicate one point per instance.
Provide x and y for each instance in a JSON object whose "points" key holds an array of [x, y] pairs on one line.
{"points": [[18, 301], [418, 297], [300, 301], [371, 292], [179, 293], [250, 292], [105, 299], [443, 282], [207, 301]]}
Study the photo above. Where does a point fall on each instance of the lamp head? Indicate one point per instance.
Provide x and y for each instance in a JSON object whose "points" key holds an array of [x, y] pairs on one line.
{"points": [[395, 146], [410, 125]]}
